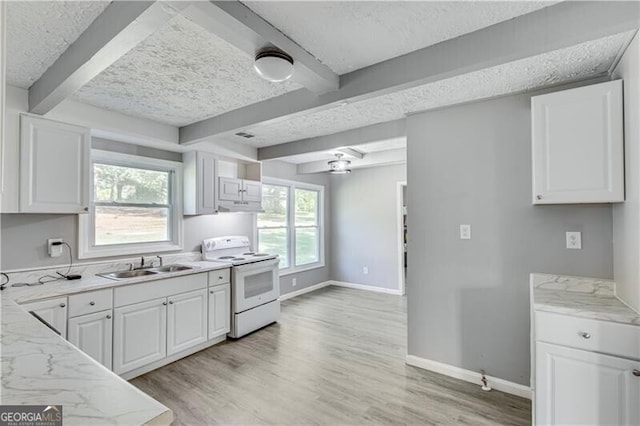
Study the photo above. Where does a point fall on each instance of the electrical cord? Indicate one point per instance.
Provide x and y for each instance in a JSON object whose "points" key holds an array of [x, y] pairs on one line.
{"points": [[2, 286], [66, 275]]}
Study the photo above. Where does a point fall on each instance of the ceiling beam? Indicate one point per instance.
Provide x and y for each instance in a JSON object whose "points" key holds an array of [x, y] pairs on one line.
{"points": [[116, 31], [372, 159], [240, 26], [562, 25], [374, 133]]}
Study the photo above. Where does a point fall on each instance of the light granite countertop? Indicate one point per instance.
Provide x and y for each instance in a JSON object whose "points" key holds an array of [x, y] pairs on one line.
{"points": [[580, 297], [39, 367]]}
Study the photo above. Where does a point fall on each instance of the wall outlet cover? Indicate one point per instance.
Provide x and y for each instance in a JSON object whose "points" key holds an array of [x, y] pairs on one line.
{"points": [[54, 251], [465, 232], [574, 240]]}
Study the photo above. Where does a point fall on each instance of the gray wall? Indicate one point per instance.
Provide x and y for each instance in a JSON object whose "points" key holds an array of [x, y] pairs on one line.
{"points": [[24, 236], [626, 216], [468, 301], [365, 226], [282, 170]]}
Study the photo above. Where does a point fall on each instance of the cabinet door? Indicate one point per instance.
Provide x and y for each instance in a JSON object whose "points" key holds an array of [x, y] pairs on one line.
{"points": [[53, 311], [206, 183], [54, 166], [578, 145], [139, 335], [187, 321], [230, 189], [219, 310], [585, 388], [93, 335], [252, 191]]}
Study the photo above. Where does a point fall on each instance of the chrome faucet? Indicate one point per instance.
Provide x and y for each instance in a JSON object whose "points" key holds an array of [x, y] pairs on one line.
{"points": [[141, 263], [160, 259]]}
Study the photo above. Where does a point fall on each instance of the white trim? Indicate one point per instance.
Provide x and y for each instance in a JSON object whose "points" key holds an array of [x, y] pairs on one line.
{"points": [[469, 376], [366, 287], [302, 291], [86, 249], [400, 239]]}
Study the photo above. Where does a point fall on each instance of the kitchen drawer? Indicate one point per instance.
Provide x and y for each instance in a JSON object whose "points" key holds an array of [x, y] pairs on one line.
{"points": [[90, 302], [136, 293], [221, 276], [591, 335]]}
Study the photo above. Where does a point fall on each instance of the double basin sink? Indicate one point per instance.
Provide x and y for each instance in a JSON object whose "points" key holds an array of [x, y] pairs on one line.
{"points": [[123, 275]]}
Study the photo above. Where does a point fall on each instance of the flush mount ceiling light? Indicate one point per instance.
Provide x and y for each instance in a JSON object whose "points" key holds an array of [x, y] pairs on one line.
{"points": [[273, 65], [339, 166]]}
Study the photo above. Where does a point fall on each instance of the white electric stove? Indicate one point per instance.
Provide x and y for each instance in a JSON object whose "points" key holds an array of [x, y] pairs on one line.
{"points": [[255, 282]]}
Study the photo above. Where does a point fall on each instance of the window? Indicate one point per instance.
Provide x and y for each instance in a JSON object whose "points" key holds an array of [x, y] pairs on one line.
{"points": [[135, 206], [291, 224]]}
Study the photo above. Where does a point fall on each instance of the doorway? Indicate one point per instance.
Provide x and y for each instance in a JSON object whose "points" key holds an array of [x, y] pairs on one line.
{"points": [[402, 236]]}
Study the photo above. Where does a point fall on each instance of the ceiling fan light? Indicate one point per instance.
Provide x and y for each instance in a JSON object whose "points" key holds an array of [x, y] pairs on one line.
{"points": [[274, 65]]}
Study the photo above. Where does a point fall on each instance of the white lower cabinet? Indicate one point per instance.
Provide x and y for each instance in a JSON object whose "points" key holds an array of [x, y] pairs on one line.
{"points": [[53, 311], [93, 334], [140, 334], [579, 387], [186, 321], [219, 310]]}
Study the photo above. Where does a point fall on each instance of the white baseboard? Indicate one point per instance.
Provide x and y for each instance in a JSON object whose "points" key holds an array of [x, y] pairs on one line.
{"points": [[469, 376], [367, 287], [305, 290]]}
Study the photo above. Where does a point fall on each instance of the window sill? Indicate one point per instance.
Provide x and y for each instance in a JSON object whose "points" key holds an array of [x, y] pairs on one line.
{"points": [[121, 251], [289, 271]]}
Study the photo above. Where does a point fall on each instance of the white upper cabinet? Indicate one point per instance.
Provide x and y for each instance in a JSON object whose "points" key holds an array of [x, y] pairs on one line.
{"points": [[199, 183], [54, 166], [577, 145]]}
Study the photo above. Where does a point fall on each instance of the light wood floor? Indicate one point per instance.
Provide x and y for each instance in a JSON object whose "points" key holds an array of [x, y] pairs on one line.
{"points": [[335, 357]]}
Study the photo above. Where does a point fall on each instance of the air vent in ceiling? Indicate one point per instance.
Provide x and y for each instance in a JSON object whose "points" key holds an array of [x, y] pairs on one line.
{"points": [[245, 135]]}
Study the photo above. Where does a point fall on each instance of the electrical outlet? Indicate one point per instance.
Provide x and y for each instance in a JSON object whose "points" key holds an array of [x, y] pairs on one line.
{"points": [[574, 240], [465, 232], [54, 251], [365, 270], [294, 282]]}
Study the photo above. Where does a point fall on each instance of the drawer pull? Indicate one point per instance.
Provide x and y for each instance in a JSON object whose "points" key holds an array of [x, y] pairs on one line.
{"points": [[92, 303], [585, 335], [211, 292], [636, 373], [164, 303], [171, 302], [108, 316], [220, 278], [62, 305]]}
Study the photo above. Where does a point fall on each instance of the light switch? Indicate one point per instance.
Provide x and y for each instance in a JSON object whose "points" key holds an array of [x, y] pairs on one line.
{"points": [[465, 232], [574, 240]]}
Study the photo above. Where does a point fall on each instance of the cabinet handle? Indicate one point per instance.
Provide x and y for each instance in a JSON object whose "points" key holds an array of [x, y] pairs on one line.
{"points": [[62, 305], [108, 316], [585, 335], [211, 291], [164, 303], [219, 278], [636, 373], [171, 302], [92, 303], [538, 197], [86, 209]]}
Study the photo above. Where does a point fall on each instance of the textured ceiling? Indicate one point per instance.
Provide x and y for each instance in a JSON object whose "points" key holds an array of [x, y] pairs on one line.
{"points": [[179, 75], [564, 65], [39, 32], [363, 33]]}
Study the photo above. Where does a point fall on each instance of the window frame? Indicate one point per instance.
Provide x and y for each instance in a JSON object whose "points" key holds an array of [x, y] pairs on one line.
{"points": [[291, 226], [86, 222]]}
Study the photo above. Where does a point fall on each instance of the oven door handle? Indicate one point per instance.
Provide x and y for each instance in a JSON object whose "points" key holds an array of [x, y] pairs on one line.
{"points": [[262, 265]]}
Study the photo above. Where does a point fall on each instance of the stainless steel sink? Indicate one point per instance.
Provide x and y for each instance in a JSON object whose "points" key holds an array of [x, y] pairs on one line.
{"points": [[121, 275], [171, 268]]}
